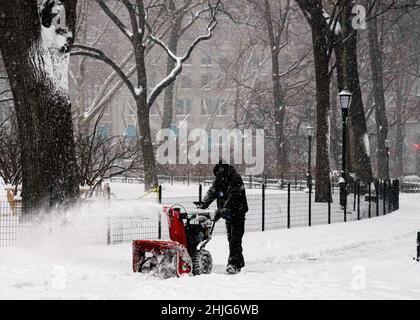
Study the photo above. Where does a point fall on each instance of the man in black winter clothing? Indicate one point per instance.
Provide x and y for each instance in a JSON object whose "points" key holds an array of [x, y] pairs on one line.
{"points": [[229, 191]]}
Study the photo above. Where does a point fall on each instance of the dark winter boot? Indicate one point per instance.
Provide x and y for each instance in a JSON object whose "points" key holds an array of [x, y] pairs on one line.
{"points": [[231, 269]]}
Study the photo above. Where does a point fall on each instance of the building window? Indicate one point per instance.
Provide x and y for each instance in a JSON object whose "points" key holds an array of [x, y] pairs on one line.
{"points": [[183, 107], [212, 106], [152, 80], [104, 131], [223, 110], [206, 61], [205, 81], [154, 110], [186, 81], [131, 132]]}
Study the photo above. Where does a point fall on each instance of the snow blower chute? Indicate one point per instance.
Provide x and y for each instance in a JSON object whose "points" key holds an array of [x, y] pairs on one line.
{"points": [[185, 253]]}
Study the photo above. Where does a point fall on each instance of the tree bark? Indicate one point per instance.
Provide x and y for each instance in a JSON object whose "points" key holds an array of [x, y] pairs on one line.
{"points": [[335, 125], [143, 109], [168, 102], [322, 168], [379, 95], [400, 129], [313, 10], [359, 157], [278, 94], [43, 113]]}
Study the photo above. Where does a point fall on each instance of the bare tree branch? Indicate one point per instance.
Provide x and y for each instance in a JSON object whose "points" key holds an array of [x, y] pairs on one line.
{"points": [[115, 19]]}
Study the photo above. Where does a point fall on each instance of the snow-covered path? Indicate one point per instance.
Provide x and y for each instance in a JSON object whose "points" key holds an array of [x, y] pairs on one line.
{"points": [[369, 259]]}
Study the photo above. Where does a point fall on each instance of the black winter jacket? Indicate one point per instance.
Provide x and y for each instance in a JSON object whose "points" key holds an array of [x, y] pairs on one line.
{"points": [[229, 190]]}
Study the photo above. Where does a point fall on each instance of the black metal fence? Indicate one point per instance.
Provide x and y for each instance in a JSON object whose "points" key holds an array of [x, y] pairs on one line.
{"points": [[272, 209], [268, 210], [251, 182]]}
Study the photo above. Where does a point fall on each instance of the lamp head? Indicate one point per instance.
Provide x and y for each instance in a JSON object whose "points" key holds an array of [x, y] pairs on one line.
{"points": [[310, 130], [344, 98]]}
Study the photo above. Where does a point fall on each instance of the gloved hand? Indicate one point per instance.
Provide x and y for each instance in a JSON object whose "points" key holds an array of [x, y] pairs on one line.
{"points": [[200, 205], [223, 213]]}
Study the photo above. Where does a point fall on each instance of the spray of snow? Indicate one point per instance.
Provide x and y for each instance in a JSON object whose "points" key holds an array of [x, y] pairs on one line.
{"points": [[88, 223]]}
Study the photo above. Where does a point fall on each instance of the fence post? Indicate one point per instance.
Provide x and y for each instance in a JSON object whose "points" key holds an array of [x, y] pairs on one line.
{"points": [[358, 199], [288, 205], [172, 178], [397, 196], [329, 203], [250, 181], [188, 176], [390, 196], [377, 197], [263, 207], [108, 232], [200, 192], [384, 197], [160, 216], [295, 183], [370, 201], [354, 195], [345, 203], [310, 204]]}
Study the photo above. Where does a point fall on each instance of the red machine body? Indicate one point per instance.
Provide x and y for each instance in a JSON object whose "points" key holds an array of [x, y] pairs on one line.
{"points": [[164, 257], [183, 254]]}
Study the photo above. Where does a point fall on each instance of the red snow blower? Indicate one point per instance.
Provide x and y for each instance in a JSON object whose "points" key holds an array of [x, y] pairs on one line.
{"points": [[185, 253]]}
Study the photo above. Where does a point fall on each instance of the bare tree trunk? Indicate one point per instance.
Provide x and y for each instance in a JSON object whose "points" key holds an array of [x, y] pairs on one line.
{"points": [[359, 156], [43, 113], [314, 13], [279, 117], [143, 109], [335, 120], [278, 95], [322, 168], [379, 96], [149, 163], [400, 129], [168, 102]]}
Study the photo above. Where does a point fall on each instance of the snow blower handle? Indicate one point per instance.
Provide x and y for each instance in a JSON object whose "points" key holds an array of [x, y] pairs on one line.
{"points": [[199, 205]]}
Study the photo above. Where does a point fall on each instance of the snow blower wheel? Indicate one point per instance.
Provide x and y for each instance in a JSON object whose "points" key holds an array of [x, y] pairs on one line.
{"points": [[202, 262]]}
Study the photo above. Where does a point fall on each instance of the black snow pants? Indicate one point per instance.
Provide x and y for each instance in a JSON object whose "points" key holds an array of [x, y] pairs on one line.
{"points": [[235, 230]]}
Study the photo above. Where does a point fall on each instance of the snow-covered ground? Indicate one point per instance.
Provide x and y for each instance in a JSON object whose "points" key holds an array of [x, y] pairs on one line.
{"points": [[368, 259]]}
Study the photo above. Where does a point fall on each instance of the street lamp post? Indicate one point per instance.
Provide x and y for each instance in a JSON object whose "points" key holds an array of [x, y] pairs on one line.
{"points": [[345, 102], [310, 131], [387, 159]]}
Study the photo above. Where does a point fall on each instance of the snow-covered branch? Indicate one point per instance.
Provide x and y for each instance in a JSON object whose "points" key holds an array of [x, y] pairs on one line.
{"points": [[84, 50], [179, 60], [115, 19], [5, 91]]}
